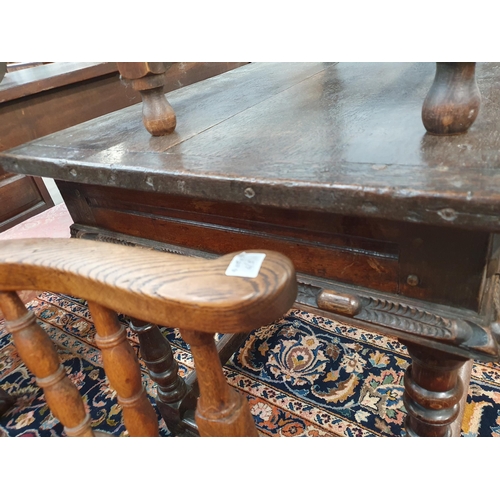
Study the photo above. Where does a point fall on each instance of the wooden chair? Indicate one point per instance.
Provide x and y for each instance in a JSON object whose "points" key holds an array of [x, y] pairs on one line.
{"points": [[199, 296]]}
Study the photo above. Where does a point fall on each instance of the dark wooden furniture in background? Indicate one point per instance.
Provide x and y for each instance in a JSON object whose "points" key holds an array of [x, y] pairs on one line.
{"points": [[389, 228], [38, 101], [198, 296]]}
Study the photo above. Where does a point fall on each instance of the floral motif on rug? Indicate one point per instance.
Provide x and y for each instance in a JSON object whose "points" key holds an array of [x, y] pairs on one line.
{"points": [[311, 376], [304, 375]]}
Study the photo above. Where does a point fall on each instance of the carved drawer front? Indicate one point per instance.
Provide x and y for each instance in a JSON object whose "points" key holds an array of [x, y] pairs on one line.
{"points": [[435, 264]]}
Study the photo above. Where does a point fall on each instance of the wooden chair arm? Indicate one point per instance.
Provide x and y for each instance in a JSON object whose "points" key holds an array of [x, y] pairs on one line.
{"points": [[166, 289]]}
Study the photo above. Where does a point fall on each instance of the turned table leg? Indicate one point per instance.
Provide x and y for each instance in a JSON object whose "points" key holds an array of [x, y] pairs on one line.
{"points": [[123, 371], [6, 402], [433, 390], [453, 101], [40, 356], [174, 396], [221, 411]]}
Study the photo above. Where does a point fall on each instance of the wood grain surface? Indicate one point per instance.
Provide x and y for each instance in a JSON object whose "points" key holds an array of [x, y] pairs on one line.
{"points": [[46, 77], [41, 100], [343, 138], [165, 289]]}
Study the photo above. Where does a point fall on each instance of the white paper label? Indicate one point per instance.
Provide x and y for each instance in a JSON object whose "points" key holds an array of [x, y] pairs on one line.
{"points": [[246, 265]]}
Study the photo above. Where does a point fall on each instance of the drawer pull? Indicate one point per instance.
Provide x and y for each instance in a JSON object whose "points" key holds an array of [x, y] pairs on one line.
{"points": [[340, 303]]}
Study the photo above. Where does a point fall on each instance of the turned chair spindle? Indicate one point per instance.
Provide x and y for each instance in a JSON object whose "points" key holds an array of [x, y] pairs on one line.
{"points": [[40, 356], [221, 411], [195, 295]]}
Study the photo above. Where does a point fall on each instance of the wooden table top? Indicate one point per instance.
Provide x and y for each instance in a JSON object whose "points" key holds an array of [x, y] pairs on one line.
{"points": [[344, 138]]}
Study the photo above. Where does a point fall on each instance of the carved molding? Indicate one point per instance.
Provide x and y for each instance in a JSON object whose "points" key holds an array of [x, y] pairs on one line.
{"points": [[495, 326], [400, 316], [392, 314], [496, 295], [86, 234], [465, 334], [307, 294]]}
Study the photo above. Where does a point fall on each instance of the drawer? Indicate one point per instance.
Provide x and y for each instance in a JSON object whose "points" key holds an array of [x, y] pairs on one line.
{"points": [[443, 265]]}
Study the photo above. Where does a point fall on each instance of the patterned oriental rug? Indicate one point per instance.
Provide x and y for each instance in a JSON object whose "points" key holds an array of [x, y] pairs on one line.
{"points": [[304, 375]]}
